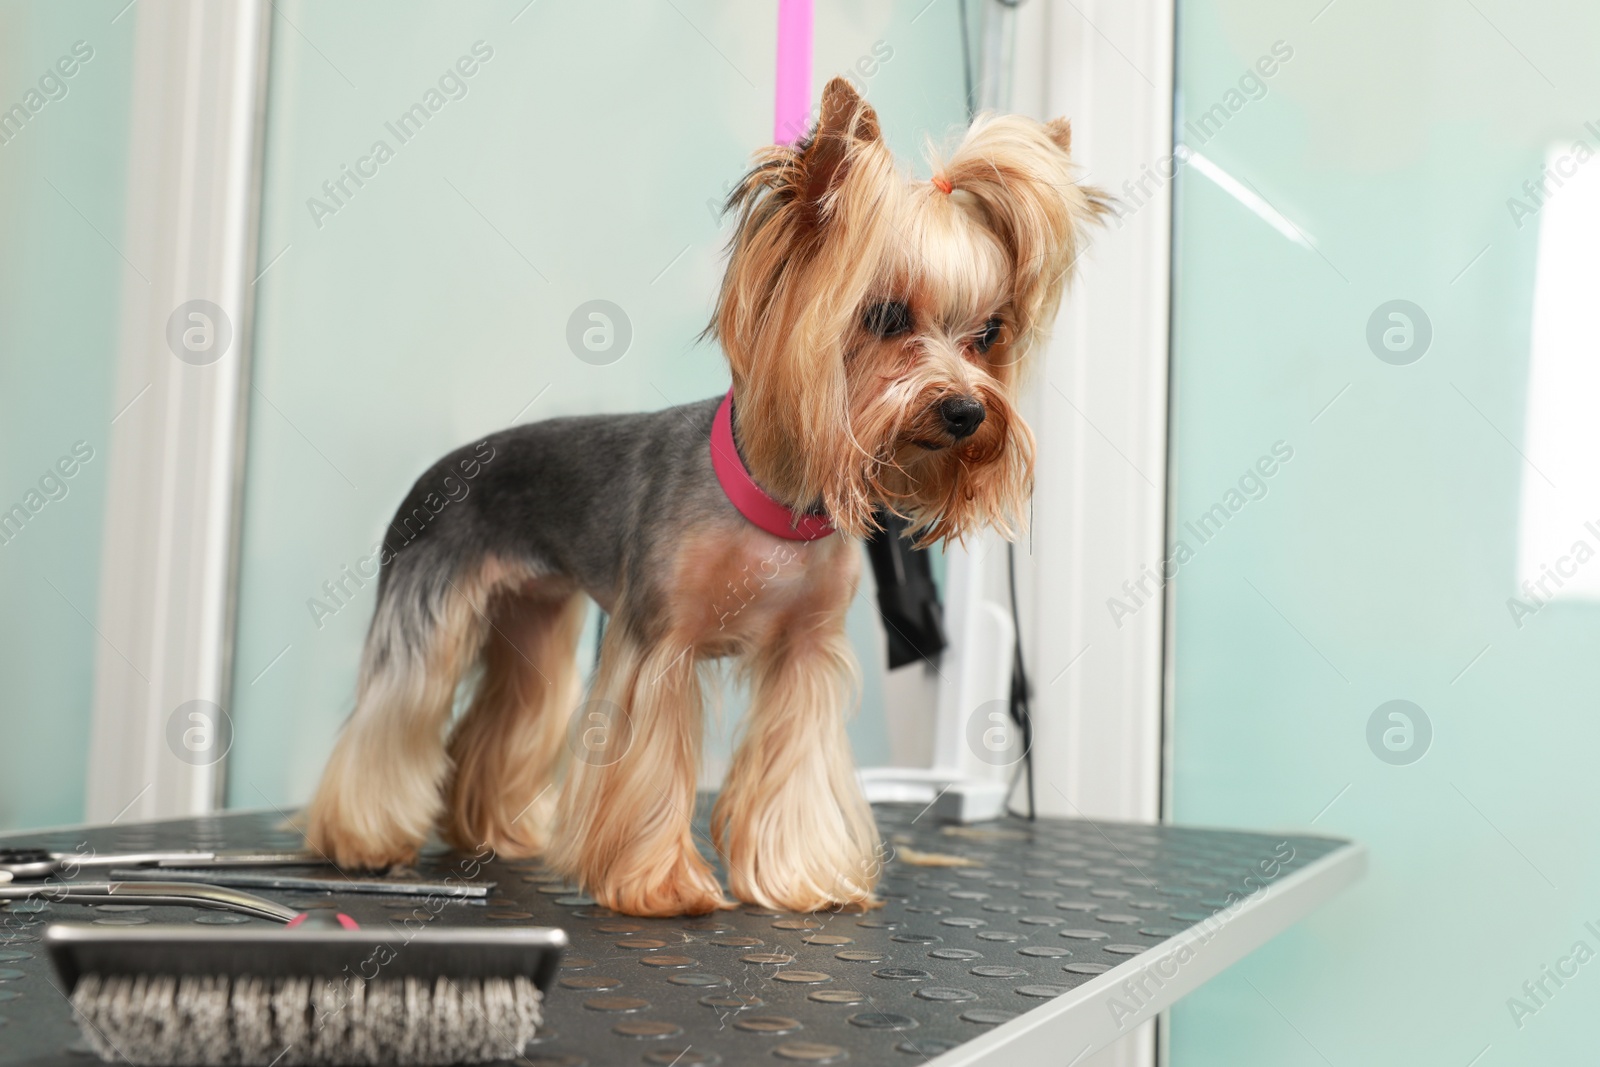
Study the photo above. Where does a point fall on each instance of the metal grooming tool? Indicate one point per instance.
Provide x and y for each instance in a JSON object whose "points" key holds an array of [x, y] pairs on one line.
{"points": [[332, 882], [183, 894], [23, 863]]}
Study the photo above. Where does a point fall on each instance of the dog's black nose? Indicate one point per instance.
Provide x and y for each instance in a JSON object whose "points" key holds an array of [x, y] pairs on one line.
{"points": [[962, 416]]}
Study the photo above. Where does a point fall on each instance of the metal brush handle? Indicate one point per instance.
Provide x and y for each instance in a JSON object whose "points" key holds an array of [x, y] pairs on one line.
{"points": [[184, 894]]}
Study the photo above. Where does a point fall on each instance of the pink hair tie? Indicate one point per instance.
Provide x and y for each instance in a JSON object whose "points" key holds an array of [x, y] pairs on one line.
{"points": [[941, 183]]}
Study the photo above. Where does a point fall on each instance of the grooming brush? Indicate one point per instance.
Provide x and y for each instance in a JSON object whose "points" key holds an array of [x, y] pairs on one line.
{"points": [[323, 991]]}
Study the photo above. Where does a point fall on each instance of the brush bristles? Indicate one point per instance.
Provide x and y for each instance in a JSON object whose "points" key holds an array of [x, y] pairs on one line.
{"points": [[161, 1020]]}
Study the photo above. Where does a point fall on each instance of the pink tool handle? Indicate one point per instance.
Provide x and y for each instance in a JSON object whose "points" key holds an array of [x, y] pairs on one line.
{"points": [[321, 919]]}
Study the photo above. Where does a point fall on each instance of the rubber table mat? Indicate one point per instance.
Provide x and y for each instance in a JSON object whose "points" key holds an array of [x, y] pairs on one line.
{"points": [[1033, 911]]}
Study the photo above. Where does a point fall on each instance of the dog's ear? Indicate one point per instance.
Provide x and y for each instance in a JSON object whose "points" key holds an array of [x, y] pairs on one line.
{"points": [[1019, 181], [846, 123], [816, 229], [1060, 131]]}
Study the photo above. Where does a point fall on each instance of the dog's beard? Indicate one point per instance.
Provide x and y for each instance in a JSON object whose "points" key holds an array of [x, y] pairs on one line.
{"points": [[910, 465]]}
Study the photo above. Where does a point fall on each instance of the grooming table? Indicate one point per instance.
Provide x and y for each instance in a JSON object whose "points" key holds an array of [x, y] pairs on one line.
{"points": [[1061, 937]]}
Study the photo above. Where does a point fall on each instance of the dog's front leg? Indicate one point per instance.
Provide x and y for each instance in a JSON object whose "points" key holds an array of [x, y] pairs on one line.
{"points": [[624, 828], [794, 828]]}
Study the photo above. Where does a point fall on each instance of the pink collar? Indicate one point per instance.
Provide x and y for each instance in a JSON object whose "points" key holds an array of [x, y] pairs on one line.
{"points": [[753, 502]]}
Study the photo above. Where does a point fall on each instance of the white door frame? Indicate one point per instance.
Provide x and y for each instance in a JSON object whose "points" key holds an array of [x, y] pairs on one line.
{"points": [[1099, 408], [177, 444]]}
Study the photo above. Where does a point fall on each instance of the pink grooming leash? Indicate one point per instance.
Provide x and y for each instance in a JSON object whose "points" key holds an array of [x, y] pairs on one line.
{"points": [[792, 107]]}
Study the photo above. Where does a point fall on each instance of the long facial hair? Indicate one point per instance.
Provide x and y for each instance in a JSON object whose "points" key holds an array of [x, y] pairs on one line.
{"points": [[833, 416]]}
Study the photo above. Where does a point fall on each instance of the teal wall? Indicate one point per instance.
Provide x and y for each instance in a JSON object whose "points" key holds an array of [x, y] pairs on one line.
{"points": [[585, 161], [61, 276], [1378, 565]]}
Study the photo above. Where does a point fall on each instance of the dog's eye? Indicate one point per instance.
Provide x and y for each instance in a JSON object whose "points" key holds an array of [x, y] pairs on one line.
{"points": [[989, 336], [887, 319]]}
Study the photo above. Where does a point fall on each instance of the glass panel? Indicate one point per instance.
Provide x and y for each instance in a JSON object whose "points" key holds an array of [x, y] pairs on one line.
{"points": [[63, 149], [420, 270], [1384, 360]]}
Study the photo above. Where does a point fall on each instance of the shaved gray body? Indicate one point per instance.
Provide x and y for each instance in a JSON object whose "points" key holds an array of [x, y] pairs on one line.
{"points": [[593, 498]]}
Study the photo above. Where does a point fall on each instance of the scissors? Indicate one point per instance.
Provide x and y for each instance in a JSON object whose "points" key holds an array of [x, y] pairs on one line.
{"points": [[35, 863]]}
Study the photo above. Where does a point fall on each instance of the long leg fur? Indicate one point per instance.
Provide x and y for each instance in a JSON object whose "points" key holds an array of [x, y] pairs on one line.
{"points": [[506, 750], [380, 792], [793, 825], [625, 811]]}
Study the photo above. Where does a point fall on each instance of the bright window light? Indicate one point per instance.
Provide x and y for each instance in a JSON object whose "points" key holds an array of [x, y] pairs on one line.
{"points": [[1558, 543]]}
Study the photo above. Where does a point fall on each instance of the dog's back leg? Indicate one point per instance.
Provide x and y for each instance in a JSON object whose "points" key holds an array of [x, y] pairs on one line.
{"points": [[379, 797], [507, 748]]}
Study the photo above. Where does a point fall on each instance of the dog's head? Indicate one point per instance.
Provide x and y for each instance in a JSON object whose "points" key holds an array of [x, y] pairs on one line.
{"points": [[877, 326]]}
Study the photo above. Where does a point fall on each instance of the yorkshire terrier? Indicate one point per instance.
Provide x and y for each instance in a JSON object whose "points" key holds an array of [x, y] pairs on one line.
{"points": [[876, 327]]}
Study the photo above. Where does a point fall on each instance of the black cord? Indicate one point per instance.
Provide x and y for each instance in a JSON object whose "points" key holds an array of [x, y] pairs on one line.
{"points": [[1021, 706]]}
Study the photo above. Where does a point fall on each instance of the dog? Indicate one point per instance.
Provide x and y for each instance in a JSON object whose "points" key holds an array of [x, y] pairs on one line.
{"points": [[876, 328]]}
